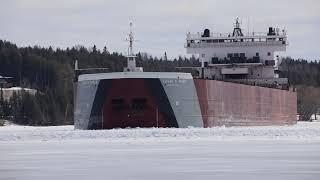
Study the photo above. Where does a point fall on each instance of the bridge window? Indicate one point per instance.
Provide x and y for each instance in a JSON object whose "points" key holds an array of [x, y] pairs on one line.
{"points": [[139, 103], [117, 103], [214, 60]]}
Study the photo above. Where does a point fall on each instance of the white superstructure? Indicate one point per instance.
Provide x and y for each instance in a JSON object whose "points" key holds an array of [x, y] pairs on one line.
{"points": [[237, 55]]}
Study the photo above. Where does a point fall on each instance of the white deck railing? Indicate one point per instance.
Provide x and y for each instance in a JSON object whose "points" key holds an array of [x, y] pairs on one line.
{"points": [[232, 44]]}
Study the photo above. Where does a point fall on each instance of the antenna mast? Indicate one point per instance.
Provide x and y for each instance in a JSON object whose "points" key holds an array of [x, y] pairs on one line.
{"points": [[131, 58], [237, 30], [248, 26], [131, 39]]}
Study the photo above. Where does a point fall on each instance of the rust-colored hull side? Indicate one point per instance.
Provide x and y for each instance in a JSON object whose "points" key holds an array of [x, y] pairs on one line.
{"points": [[231, 104]]}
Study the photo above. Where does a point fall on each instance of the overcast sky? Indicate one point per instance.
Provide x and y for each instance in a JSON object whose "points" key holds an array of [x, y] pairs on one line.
{"points": [[158, 25]]}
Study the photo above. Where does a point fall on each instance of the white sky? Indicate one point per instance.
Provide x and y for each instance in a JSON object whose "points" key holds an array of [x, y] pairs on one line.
{"points": [[158, 25]]}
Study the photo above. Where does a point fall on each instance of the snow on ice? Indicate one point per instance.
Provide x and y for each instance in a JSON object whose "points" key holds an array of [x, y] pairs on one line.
{"points": [[303, 131], [60, 152]]}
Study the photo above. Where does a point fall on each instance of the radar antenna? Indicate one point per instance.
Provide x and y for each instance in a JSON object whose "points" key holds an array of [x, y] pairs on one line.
{"points": [[237, 30]]}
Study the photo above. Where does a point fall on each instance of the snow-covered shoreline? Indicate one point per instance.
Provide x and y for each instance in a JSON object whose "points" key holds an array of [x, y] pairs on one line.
{"points": [[60, 152], [303, 131]]}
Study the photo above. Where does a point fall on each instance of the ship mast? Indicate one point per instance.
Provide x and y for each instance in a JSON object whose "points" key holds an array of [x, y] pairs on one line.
{"points": [[131, 58], [131, 39], [237, 30]]}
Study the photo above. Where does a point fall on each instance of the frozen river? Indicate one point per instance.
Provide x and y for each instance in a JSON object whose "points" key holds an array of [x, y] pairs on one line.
{"points": [[218, 153]]}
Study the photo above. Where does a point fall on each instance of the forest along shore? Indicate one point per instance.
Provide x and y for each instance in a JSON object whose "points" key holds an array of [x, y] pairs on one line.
{"points": [[50, 73]]}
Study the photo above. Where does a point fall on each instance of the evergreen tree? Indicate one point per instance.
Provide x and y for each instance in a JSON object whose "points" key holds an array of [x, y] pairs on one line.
{"points": [[31, 110], [165, 56], [94, 49], [105, 51], [2, 106]]}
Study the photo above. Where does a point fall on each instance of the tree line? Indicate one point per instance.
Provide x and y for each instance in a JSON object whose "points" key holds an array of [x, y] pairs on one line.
{"points": [[50, 72], [305, 77]]}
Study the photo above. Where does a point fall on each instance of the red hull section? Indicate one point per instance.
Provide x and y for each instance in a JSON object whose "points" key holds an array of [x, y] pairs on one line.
{"points": [[129, 103], [231, 104]]}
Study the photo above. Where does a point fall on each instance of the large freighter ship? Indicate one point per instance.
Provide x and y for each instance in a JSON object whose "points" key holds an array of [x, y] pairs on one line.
{"points": [[236, 85]]}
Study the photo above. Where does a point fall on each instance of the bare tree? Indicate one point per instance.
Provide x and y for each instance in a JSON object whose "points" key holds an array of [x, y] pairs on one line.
{"points": [[308, 102]]}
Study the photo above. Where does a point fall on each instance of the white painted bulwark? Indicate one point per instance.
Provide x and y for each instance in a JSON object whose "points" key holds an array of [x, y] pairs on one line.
{"points": [[234, 71], [131, 75]]}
